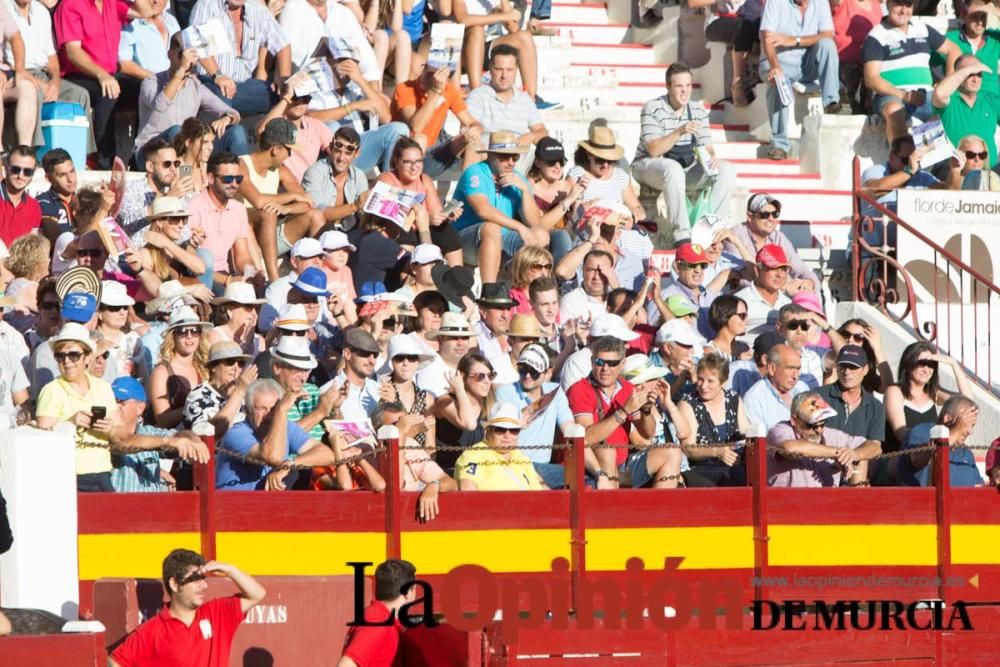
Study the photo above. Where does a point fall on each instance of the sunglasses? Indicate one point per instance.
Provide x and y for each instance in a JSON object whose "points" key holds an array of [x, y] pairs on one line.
{"points": [[289, 332], [229, 179], [742, 316], [856, 337], [113, 309], [185, 332], [408, 358], [500, 430], [549, 163], [541, 267], [16, 170], [167, 164], [612, 363], [797, 325], [344, 148], [926, 363], [819, 426], [391, 322], [92, 252], [696, 265], [49, 305], [764, 215], [972, 155], [601, 161], [479, 377], [301, 99], [976, 17], [73, 356], [524, 369], [193, 577], [364, 354], [507, 157]]}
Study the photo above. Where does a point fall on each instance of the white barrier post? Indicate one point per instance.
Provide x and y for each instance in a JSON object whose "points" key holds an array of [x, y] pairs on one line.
{"points": [[38, 479]]}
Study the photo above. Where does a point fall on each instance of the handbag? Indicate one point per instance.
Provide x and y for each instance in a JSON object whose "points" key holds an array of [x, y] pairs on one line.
{"points": [[683, 154]]}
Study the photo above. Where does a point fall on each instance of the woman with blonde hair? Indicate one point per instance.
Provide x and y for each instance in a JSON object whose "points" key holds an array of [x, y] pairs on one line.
{"points": [[183, 366], [530, 262], [28, 263]]}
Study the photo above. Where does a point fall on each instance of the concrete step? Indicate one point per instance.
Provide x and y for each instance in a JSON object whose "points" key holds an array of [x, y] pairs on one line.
{"points": [[611, 33], [587, 13], [762, 180], [777, 168], [815, 233], [752, 150], [649, 74], [612, 54]]}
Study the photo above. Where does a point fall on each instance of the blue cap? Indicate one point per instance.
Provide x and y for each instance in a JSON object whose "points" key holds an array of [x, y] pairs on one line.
{"points": [[312, 281], [79, 307], [369, 290], [128, 388]]}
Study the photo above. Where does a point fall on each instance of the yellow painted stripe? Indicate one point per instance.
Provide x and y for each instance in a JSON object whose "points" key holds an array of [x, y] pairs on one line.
{"points": [[852, 545], [437, 552], [703, 548], [130, 554], [975, 544], [305, 554]]}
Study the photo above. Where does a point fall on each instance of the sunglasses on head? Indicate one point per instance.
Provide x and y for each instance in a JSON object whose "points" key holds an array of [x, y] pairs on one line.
{"points": [[73, 356], [16, 170], [611, 363], [479, 377], [501, 430], [764, 215], [408, 358], [113, 309], [229, 179], [926, 363], [797, 325], [364, 354], [89, 252], [185, 332], [524, 369], [972, 155]]}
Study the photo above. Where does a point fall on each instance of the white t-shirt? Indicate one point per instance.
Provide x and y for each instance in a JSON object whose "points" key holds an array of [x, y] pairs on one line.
{"points": [[301, 23]]}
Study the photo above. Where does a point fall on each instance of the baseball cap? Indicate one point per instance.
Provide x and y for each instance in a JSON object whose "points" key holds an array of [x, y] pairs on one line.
{"points": [[534, 355], [279, 131], [772, 256], [307, 247], [79, 307], [608, 324], [814, 410], [852, 355], [128, 389], [639, 368], [335, 240], [426, 253], [691, 253], [549, 150], [681, 306], [680, 332], [757, 202]]}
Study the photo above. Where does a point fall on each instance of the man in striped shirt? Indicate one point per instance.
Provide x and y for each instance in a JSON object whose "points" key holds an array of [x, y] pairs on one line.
{"points": [[238, 77], [896, 57], [672, 126]]}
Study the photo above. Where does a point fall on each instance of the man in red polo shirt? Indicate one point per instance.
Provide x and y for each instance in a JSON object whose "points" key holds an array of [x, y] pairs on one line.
{"points": [[190, 631], [87, 35], [20, 213], [607, 408], [376, 645]]}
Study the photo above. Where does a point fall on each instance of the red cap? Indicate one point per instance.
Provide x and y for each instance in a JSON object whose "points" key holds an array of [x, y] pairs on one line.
{"points": [[772, 256], [691, 253]]}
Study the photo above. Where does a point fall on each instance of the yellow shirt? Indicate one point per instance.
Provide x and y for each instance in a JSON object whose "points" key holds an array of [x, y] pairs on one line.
{"points": [[60, 400], [490, 472]]}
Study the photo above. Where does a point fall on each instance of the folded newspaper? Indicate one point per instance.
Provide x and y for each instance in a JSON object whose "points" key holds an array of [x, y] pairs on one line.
{"points": [[393, 204], [343, 48], [208, 39], [315, 77], [446, 45], [930, 138]]}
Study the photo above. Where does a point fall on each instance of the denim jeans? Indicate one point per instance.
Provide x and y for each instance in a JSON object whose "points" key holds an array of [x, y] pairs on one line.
{"points": [[541, 10], [208, 276], [253, 96], [553, 474], [376, 145]]}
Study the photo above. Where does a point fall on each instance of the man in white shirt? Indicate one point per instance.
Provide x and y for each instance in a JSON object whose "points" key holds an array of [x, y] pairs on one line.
{"points": [[299, 18], [453, 342], [765, 296], [496, 310], [360, 353], [587, 301]]}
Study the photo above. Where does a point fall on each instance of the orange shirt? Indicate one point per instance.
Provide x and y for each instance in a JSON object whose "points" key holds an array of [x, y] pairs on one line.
{"points": [[412, 94]]}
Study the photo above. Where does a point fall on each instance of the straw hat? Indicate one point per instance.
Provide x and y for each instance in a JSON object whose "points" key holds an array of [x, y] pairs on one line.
{"points": [[505, 142], [185, 317], [601, 143], [524, 326], [453, 325]]}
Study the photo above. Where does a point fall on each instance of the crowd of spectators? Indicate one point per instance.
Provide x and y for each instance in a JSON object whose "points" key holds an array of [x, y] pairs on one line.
{"points": [[247, 284]]}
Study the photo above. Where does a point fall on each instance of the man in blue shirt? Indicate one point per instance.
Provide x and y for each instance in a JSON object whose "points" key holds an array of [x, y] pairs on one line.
{"points": [[543, 407], [270, 437], [499, 212], [769, 401], [959, 414], [796, 37]]}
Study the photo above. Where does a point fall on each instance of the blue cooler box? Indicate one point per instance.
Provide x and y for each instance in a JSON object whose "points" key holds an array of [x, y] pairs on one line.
{"points": [[65, 125]]}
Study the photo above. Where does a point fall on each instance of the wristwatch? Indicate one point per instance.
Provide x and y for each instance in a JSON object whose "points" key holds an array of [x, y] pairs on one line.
{"points": [[908, 170], [798, 41], [218, 73]]}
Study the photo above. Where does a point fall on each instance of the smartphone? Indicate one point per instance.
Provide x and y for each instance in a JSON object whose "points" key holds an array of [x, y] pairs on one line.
{"points": [[98, 412], [185, 170], [451, 207]]}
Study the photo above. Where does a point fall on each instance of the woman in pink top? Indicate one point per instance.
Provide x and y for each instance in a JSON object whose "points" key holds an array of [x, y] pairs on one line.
{"points": [[408, 173], [530, 262]]}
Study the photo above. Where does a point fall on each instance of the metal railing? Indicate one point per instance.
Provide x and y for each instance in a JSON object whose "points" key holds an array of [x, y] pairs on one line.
{"points": [[878, 278]]}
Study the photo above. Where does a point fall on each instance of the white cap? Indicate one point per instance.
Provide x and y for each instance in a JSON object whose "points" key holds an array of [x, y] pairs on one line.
{"points": [[639, 368], [680, 332], [114, 294], [293, 318], [294, 351], [307, 247], [504, 415], [608, 324], [335, 240], [534, 355], [426, 253]]}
